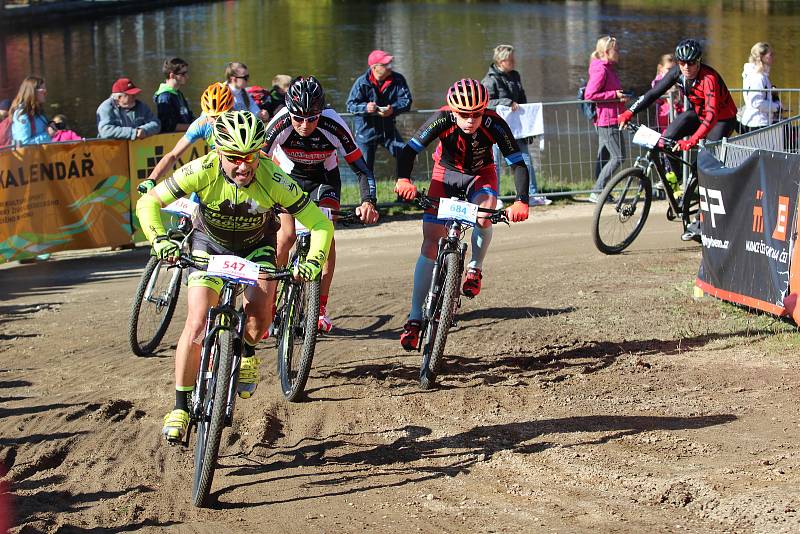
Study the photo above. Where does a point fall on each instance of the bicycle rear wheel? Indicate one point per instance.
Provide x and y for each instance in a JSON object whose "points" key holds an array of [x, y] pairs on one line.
{"points": [[151, 311], [212, 420], [438, 326], [621, 211], [297, 337]]}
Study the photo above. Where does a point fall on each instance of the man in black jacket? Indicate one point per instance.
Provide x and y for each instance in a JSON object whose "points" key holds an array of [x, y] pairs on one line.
{"points": [[172, 108], [505, 89]]}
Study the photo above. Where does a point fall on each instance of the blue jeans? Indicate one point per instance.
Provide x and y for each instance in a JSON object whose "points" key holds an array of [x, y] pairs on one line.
{"points": [[526, 157], [392, 141]]}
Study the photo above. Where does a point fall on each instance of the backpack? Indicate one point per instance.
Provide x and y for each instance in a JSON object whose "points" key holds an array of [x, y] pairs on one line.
{"points": [[5, 132], [589, 108]]}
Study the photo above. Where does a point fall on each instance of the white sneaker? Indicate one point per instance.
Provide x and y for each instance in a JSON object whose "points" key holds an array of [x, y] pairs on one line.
{"points": [[593, 198], [539, 201]]}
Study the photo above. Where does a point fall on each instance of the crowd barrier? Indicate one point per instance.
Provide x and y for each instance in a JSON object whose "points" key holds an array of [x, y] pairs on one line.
{"points": [[749, 217], [67, 196]]}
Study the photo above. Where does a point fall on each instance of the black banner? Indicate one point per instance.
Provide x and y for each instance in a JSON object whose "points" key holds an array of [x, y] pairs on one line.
{"points": [[748, 224]]}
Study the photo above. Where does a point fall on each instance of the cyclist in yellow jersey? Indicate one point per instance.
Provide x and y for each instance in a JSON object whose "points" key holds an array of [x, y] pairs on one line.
{"points": [[236, 187]]}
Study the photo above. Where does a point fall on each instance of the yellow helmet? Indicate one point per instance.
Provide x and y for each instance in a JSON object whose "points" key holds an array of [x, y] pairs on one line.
{"points": [[239, 132], [216, 99]]}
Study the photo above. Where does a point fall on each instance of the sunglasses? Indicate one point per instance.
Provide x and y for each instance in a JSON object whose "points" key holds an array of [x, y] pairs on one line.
{"points": [[687, 63], [298, 118], [246, 77], [238, 159], [473, 115]]}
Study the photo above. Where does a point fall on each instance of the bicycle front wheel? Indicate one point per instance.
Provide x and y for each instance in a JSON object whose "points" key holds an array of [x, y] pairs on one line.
{"points": [[621, 211], [212, 420], [153, 306], [435, 336], [297, 337]]}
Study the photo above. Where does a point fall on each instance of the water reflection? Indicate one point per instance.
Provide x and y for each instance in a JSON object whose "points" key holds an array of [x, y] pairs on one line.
{"points": [[433, 44]]}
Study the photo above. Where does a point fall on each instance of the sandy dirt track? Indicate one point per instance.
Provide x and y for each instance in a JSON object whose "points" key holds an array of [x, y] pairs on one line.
{"points": [[583, 393]]}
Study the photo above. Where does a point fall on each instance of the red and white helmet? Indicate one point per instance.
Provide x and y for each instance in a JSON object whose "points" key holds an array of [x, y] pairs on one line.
{"points": [[467, 96]]}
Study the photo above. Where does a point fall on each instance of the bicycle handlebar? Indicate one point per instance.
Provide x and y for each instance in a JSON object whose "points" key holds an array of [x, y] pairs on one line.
{"points": [[669, 144], [495, 216], [200, 263]]}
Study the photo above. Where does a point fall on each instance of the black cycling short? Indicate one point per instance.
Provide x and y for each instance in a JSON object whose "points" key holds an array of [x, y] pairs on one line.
{"points": [[328, 188], [262, 253], [687, 123]]}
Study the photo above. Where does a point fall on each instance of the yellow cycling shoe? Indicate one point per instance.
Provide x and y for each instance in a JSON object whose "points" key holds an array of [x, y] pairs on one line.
{"points": [[176, 423], [248, 376]]}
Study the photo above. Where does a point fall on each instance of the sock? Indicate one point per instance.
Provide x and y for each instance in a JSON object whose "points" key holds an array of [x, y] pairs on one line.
{"points": [[423, 273], [183, 395], [481, 237], [323, 300]]}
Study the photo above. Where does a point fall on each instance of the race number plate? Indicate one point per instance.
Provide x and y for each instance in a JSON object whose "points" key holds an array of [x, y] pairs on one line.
{"points": [[458, 209], [183, 206], [299, 228], [646, 137], [233, 268]]}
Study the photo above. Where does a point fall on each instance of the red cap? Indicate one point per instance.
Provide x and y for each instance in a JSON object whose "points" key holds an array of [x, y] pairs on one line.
{"points": [[125, 85], [379, 57]]}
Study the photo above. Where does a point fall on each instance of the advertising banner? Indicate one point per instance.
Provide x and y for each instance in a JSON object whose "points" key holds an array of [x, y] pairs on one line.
{"points": [[145, 154], [63, 196], [748, 223]]}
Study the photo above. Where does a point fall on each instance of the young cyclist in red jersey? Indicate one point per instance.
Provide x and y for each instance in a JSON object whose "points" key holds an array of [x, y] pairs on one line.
{"points": [[464, 165]]}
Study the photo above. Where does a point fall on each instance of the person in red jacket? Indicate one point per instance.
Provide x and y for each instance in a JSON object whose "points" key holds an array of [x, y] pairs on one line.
{"points": [[711, 113]]}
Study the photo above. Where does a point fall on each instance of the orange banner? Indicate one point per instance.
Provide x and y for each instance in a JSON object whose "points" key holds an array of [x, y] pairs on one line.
{"points": [[63, 196]]}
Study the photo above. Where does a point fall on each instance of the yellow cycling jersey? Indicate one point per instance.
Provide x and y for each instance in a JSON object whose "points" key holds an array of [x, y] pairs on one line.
{"points": [[235, 217]]}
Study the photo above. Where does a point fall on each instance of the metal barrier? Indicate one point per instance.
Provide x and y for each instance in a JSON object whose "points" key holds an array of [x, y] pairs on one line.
{"points": [[783, 137]]}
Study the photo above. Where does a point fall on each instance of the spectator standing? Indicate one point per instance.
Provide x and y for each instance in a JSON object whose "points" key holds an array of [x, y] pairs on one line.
{"points": [[5, 104], [172, 107], [28, 122], [376, 98], [663, 108], [505, 89], [605, 89], [238, 76], [760, 104], [59, 130], [275, 100], [123, 116], [5, 123]]}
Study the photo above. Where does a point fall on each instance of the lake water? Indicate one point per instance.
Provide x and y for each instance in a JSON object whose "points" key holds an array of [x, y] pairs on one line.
{"points": [[434, 43]]}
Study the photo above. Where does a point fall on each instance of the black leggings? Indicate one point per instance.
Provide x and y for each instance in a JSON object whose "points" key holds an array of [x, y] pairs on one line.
{"points": [[687, 123]]}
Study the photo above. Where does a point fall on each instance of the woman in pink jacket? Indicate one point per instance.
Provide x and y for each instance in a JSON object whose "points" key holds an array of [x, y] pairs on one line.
{"points": [[604, 88]]}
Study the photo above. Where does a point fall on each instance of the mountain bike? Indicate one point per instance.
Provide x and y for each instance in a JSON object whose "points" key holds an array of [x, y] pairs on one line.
{"points": [[444, 297], [214, 395], [297, 311], [623, 206], [157, 294]]}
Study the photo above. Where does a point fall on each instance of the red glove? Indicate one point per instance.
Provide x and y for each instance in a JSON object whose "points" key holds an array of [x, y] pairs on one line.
{"points": [[685, 144], [405, 189], [518, 211], [624, 117]]}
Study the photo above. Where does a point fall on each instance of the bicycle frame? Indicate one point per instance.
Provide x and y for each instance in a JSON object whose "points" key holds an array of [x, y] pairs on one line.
{"points": [[652, 160]]}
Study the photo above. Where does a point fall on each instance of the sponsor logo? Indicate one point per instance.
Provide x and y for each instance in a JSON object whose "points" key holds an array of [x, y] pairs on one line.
{"points": [[783, 219], [710, 242], [759, 247], [711, 202]]}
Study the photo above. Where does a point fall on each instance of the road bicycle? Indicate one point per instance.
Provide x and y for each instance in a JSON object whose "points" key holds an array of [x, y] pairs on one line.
{"points": [[623, 206], [444, 297], [157, 293], [297, 311], [214, 396]]}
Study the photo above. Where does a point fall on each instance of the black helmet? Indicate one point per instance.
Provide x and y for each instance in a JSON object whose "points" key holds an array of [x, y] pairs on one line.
{"points": [[305, 97], [688, 50]]}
